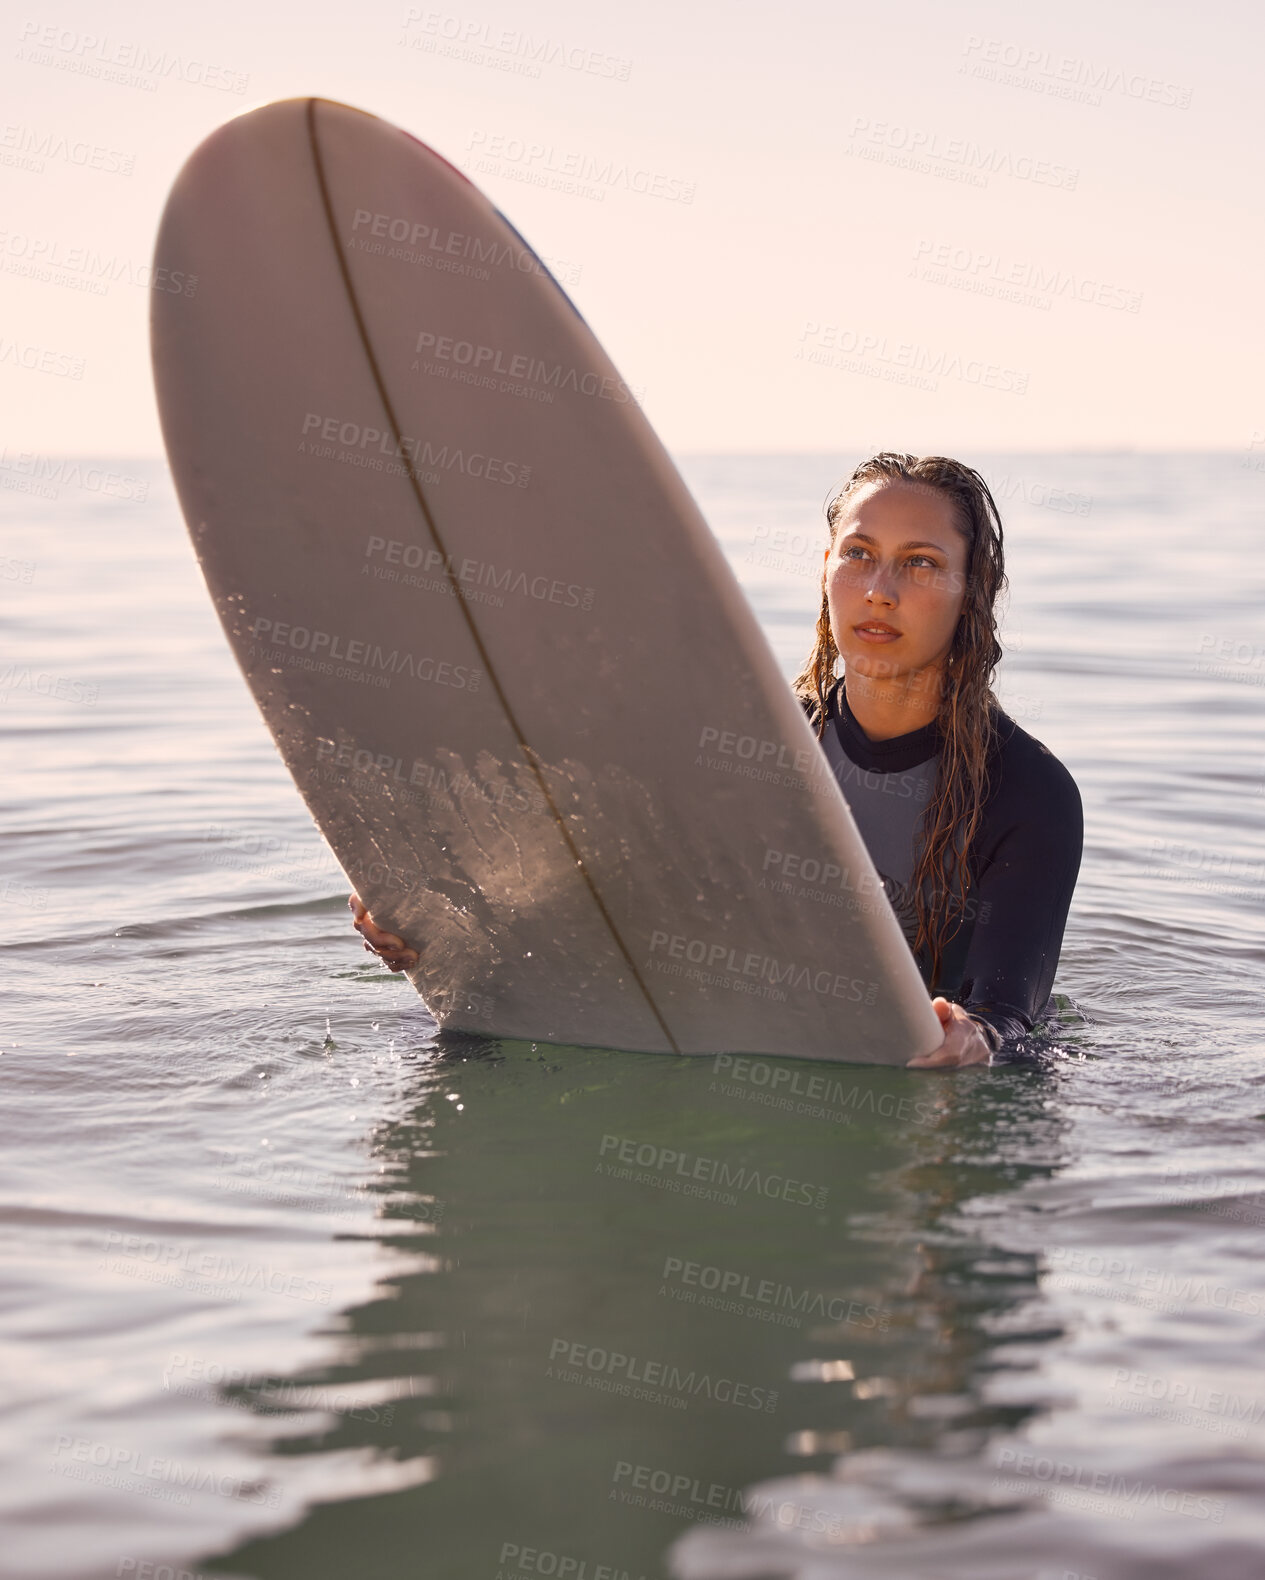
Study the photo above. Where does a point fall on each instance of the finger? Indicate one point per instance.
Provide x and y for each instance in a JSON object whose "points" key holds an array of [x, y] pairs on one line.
{"points": [[389, 944], [395, 962], [932, 1061], [399, 952], [946, 1056], [377, 936]]}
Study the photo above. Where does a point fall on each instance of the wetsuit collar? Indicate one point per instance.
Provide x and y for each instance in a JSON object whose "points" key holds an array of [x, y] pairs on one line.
{"points": [[893, 756]]}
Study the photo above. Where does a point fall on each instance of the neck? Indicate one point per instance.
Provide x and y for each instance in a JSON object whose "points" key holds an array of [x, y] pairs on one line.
{"points": [[890, 707]]}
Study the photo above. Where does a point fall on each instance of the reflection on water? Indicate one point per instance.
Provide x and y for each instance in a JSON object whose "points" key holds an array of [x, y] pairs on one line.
{"points": [[646, 1285]]}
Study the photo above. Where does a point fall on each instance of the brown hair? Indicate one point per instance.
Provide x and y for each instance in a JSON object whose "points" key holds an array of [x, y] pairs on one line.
{"points": [[966, 714]]}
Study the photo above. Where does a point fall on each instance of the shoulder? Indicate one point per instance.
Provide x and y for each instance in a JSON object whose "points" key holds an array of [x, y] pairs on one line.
{"points": [[1027, 774]]}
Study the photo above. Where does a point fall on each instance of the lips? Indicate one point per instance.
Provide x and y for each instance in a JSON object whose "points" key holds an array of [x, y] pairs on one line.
{"points": [[876, 628]]}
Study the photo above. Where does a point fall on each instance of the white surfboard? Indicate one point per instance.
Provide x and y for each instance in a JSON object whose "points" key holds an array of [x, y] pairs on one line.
{"points": [[504, 659]]}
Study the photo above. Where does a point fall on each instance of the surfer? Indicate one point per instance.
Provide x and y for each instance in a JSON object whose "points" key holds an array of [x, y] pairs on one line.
{"points": [[974, 826]]}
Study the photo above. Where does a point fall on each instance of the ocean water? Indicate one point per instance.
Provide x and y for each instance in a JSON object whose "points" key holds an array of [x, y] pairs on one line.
{"points": [[296, 1289]]}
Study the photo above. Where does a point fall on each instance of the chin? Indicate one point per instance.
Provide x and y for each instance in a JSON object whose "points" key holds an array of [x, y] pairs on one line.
{"points": [[874, 665]]}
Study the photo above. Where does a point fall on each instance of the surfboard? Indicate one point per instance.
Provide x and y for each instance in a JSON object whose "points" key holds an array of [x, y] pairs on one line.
{"points": [[500, 652]]}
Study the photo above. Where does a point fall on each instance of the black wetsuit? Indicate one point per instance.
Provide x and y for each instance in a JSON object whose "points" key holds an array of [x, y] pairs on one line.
{"points": [[999, 964]]}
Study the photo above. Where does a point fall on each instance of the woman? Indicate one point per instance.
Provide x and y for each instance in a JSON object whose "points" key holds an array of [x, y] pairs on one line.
{"points": [[974, 826]]}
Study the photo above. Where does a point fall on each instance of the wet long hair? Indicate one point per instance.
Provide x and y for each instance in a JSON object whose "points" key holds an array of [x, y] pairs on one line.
{"points": [[966, 716]]}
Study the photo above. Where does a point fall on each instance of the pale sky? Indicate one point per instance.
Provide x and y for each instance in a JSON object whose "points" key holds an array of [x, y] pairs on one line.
{"points": [[1073, 262]]}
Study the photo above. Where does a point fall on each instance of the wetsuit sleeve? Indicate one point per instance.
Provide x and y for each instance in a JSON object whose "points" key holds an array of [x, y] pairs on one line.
{"points": [[1023, 894]]}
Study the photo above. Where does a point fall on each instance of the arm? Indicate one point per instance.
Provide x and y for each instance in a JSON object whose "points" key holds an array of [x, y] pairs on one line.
{"points": [[1024, 893]]}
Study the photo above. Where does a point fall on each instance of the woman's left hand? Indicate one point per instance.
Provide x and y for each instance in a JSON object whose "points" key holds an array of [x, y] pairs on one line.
{"points": [[390, 948], [964, 1043]]}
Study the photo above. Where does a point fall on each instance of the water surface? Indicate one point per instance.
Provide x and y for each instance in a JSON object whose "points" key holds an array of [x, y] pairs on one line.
{"points": [[296, 1289]]}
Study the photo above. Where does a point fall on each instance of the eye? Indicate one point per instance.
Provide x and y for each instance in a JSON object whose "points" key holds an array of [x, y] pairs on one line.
{"points": [[923, 561], [854, 552]]}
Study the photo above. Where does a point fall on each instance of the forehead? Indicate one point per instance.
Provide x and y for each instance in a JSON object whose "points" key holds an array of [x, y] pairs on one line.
{"points": [[901, 510]]}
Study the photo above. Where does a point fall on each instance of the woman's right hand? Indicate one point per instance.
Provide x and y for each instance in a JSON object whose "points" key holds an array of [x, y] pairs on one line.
{"points": [[964, 1043], [389, 948]]}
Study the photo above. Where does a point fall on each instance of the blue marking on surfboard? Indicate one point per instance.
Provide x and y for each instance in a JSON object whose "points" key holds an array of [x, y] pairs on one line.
{"points": [[544, 267]]}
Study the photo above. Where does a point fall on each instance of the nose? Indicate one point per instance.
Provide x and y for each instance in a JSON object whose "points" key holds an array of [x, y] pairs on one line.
{"points": [[880, 590]]}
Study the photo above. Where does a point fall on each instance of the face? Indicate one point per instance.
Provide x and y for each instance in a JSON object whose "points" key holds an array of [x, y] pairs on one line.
{"points": [[896, 582]]}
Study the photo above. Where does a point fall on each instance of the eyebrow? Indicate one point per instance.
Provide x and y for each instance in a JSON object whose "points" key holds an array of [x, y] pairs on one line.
{"points": [[921, 544]]}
